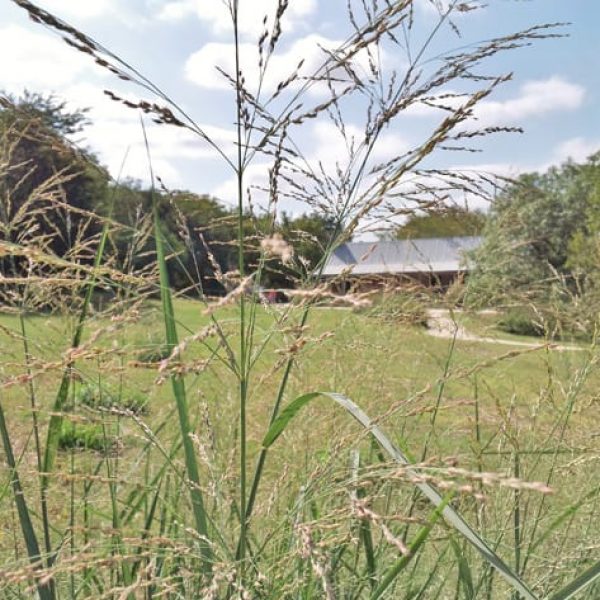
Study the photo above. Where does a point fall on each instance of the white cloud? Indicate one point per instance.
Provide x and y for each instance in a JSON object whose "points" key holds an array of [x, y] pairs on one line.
{"points": [[115, 131], [79, 9], [113, 137], [200, 68], [36, 61], [536, 98], [577, 149], [216, 14]]}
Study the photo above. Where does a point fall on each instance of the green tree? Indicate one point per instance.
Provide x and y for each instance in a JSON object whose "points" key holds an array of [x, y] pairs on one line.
{"points": [[536, 235], [455, 221], [35, 128]]}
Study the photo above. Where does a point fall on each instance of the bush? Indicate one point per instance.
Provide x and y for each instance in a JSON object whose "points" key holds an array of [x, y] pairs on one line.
{"points": [[83, 436], [96, 398], [561, 321], [154, 353], [521, 321]]}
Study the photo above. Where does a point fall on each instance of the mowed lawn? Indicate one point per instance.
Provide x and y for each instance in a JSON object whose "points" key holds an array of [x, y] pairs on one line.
{"points": [[478, 404]]}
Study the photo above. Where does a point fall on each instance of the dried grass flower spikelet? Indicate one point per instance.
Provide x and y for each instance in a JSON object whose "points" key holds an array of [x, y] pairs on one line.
{"points": [[276, 247]]}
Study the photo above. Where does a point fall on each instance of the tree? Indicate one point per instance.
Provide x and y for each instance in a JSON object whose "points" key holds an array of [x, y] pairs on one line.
{"points": [[455, 221], [34, 129], [540, 232]]}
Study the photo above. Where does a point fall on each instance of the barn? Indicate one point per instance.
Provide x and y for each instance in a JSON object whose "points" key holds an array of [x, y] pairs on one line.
{"points": [[435, 262]]}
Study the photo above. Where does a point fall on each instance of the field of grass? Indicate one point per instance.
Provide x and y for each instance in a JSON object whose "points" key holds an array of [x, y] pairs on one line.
{"points": [[525, 415]]}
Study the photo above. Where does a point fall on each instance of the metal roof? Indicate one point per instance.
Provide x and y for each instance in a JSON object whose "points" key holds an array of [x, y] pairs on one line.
{"points": [[435, 255]]}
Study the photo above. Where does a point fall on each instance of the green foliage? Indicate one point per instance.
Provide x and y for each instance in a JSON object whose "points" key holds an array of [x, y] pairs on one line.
{"points": [[541, 249], [34, 127], [521, 321], [200, 232], [154, 353], [529, 239], [84, 436], [454, 221], [95, 397]]}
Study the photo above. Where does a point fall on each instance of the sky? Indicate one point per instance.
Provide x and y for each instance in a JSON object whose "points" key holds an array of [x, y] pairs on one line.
{"points": [[554, 93]]}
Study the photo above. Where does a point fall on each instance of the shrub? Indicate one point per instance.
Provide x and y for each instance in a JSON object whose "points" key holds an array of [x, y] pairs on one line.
{"points": [[83, 436], [559, 321], [153, 353], [521, 321], [95, 397]]}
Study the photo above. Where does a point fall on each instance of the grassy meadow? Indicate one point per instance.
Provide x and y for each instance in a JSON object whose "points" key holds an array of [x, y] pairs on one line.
{"points": [[224, 448], [459, 409]]}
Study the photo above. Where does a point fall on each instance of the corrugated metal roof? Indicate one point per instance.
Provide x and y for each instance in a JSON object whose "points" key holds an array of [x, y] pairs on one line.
{"points": [[435, 255]]}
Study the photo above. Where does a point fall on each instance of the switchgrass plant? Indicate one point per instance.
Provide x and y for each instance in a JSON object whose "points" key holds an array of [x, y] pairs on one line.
{"points": [[433, 469]]}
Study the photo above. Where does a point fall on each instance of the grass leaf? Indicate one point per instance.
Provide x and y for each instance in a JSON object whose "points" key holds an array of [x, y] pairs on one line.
{"points": [[419, 539], [46, 591], [450, 514], [178, 385], [578, 584]]}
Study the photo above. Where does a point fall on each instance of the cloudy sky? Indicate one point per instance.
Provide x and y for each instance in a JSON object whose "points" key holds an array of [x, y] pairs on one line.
{"points": [[554, 95]]}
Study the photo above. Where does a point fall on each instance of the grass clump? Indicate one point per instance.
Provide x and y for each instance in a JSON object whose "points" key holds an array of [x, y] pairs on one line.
{"points": [[96, 397], [83, 436], [521, 321], [566, 322], [153, 353]]}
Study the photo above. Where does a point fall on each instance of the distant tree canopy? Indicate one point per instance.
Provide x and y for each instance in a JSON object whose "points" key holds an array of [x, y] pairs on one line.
{"points": [[455, 221], [542, 239], [57, 193], [47, 186]]}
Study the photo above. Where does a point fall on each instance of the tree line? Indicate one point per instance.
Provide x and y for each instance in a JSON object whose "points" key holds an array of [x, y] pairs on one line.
{"points": [[540, 238], [58, 196]]}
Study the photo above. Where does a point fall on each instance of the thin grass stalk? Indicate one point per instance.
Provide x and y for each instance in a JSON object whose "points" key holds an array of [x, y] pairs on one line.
{"points": [[579, 584], [517, 524], [56, 420], [432, 573], [36, 434], [45, 590], [580, 379], [419, 539], [364, 526], [177, 382], [72, 521], [243, 375]]}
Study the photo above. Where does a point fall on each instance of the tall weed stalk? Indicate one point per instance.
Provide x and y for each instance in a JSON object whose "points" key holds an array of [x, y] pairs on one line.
{"points": [[288, 528]]}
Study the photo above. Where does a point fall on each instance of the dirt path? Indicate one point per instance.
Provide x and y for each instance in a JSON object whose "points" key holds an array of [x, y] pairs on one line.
{"points": [[441, 325]]}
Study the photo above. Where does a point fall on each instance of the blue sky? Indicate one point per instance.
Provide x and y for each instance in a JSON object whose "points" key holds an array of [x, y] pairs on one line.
{"points": [[554, 94]]}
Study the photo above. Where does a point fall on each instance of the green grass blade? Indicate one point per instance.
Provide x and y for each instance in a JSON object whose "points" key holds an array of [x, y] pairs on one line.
{"points": [[179, 392], [364, 526], [419, 539], [578, 584], [177, 383], [566, 514], [46, 591], [449, 513], [464, 571]]}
